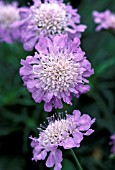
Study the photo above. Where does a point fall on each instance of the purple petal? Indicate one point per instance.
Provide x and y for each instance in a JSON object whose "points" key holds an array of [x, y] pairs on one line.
{"points": [[67, 99], [50, 161], [57, 166], [41, 46], [93, 120], [38, 96], [76, 114], [89, 132], [68, 143], [48, 96], [60, 40], [43, 154], [58, 156], [78, 137], [83, 88], [25, 71], [75, 44], [31, 83], [36, 157], [58, 103], [48, 107], [84, 119], [70, 30], [29, 45], [34, 144], [84, 127], [81, 28]]}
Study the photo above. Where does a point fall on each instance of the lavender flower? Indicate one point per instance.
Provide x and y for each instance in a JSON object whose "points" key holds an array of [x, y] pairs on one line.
{"points": [[106, 20], [9, 15], [65, 132], [49, 18], [57, 71], [112, 142]]}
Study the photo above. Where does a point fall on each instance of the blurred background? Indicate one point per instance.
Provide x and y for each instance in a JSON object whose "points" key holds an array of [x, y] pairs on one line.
{"points": [[20, 115]]}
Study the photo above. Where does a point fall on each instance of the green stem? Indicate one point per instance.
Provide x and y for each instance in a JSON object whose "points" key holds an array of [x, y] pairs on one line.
{"points": [[76, 160]]}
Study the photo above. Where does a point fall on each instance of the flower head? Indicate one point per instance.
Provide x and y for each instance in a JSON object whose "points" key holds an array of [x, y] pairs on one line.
{"points": [[106, 20], [112, 142], [9, 15], [49, 18], [65, 132], [57, 71]]}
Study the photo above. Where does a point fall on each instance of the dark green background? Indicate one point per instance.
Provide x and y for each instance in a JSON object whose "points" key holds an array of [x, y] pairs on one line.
{"points": [[20, 115]]}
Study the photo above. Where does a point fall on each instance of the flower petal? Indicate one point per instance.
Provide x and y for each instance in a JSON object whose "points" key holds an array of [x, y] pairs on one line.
{"points": [[78, 137], [50, 160], [68, 143], [76, 114], [89, 132], [57, 166], [58, 156], [48, 107]]}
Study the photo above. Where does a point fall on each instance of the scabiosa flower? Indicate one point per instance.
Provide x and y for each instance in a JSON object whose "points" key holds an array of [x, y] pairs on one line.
{"points": [[106, 20], [57, 71], [112, 142], [49, 18], [9, 15], [65, 132]]}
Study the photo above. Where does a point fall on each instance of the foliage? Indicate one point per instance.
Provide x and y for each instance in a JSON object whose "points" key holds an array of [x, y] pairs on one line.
{"points": [[20, 115]]}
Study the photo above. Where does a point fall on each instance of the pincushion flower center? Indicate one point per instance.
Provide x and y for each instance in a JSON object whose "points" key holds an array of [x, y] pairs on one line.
{"points": [[50, 17], [55, 132], [57, 73], [8, 15]]}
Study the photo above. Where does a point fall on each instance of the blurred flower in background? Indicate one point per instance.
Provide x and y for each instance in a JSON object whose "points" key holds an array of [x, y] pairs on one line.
{"points": [[49, 18], [66, 132], [57, 71], [112, 143], [105, 20], [9, 15]]}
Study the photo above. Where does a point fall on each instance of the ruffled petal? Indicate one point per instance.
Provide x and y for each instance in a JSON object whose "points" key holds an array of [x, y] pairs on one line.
{"points": [[76, 114], [89, 132], [48, 107], [58, 156], [68, 143], [57, 166], [38, 96], [78, 137], [41, 47], [58, 103], [48, 96], [50, 160]]}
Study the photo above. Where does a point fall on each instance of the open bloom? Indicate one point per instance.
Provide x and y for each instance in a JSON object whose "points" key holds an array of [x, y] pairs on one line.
{"points": [[112, 142], [61, 132], [9, 15], [49, 18], [57, 71], [106, 20]]}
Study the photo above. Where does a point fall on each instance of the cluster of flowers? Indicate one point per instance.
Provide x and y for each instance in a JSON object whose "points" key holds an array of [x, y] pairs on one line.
{"points": [[28, 24], [48, 18], [58, 70]]}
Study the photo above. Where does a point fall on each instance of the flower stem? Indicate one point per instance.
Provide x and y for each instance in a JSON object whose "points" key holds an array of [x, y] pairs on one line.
{"points": [[76, 160]]}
